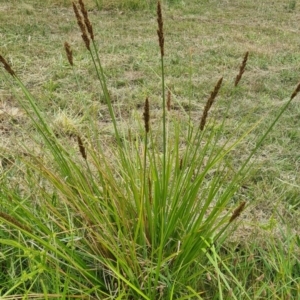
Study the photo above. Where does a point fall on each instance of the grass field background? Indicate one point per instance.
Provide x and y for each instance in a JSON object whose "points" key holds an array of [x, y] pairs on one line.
{"points": [[203, 41]]}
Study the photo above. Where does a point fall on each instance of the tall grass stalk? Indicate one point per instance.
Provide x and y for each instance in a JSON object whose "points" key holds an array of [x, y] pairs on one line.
{"points": [[142, 218]]}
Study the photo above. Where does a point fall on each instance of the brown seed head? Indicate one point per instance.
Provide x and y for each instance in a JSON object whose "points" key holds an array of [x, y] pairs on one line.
{"points": [[160, 30], [14, 221], [242, 69], [78, 17], [150, 190], [86, 41], [147, 115], [82, 27], [237, 211], [296, 91], [86, 19], [210, 102], [81, 147], [69, 53], [7, 66], [169, 101], [180, 164]]}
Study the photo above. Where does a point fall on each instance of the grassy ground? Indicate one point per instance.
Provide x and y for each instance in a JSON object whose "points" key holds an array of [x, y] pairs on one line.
{"points": [[203, 42]]}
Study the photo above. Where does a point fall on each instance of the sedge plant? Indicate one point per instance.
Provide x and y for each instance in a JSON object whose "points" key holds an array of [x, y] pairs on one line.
{"points": [[140, 218]]}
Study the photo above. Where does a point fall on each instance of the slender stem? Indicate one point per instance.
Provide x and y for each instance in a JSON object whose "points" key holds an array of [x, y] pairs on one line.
{"points": [[102, 80], [164, 129], [162, 205]]}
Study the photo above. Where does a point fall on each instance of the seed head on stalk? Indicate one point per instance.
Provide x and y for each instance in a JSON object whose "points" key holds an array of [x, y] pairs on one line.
{"points": [[210, 102], [160, 30], [82, 27], [7, 66]]}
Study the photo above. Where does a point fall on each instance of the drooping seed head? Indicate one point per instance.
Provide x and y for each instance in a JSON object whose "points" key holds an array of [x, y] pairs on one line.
{"points": [[237, 212], [81, 147], [69, 53], [14, 221], [7, 67], [296, 91]]}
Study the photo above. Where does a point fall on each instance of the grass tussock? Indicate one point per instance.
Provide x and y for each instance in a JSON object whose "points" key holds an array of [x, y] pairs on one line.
{"points": [[143, 216]]}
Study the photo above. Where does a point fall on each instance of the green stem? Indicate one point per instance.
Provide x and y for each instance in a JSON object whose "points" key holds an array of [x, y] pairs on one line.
{"points": [[164, 126], [162, 206], [101, 77]]}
